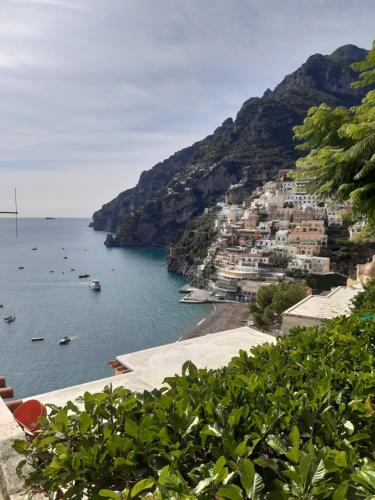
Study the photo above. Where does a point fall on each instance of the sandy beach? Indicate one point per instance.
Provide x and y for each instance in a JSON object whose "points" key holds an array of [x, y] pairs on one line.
{"points": [[223, 317]]}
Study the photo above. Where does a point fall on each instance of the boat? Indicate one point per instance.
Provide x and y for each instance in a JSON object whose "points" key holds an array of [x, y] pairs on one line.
{"points": [[84, 276], [65, 257], [35, 248], [50, 218], [95, 285], [37, 339], [65, 340], [21, 267], [10, 318]]}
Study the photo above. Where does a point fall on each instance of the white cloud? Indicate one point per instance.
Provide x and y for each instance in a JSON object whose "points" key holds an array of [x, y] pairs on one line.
{"points": [[114, 86]]}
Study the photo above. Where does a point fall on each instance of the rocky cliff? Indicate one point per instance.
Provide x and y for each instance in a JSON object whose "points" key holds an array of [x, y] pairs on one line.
{"points": [[243, 153]]}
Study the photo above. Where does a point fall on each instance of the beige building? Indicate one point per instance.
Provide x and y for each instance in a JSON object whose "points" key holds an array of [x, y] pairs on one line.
{"points": [[314, 309], [365, 273]]}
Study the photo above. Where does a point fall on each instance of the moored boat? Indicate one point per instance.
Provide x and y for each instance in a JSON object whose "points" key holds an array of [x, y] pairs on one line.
{"points": [[95, 285], [65, 340], [83, 276]]}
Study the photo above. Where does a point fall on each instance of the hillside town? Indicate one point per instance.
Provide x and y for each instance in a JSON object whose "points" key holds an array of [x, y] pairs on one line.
{"points": [[277, 233]]}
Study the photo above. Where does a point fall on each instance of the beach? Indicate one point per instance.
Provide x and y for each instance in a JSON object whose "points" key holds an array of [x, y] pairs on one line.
{"points": [[223, 317]]}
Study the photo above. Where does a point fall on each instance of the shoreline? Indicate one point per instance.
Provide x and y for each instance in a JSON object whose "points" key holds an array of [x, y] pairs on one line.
{"points": [[225, 316]]}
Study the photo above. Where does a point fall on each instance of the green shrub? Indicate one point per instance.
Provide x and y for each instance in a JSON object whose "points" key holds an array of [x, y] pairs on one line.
{"points": [[290, 420], [365, 301], [272, 300]]}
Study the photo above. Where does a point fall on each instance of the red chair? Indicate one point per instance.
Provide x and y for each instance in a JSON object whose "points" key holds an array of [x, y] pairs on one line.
{"points": [[27, 415]]}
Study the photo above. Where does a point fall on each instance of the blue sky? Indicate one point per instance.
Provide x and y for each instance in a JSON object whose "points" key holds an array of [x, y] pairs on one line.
{"points": [[92, 92]]}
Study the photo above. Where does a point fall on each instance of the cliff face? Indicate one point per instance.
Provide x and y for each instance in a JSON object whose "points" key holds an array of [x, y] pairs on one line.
{"points": [[247, 151]]}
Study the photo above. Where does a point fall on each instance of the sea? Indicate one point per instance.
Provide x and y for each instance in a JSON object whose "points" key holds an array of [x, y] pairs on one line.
{"points": [[137, 308]]}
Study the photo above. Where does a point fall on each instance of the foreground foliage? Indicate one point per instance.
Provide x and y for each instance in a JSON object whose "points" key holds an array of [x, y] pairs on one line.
{"points": [[364, 302], [272, 300], [340, 143], [292, 420]]}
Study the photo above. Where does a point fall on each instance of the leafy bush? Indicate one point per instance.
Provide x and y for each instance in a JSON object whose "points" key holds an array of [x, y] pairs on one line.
{"points": [[272, 300], [365, 301], [291, 420]]}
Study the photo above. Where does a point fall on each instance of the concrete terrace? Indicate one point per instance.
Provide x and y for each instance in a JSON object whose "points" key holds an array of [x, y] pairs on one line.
{"points": [[149, 368]]}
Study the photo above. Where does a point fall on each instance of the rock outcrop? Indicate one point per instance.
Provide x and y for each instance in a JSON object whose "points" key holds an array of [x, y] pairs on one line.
{"points": [[243, 152]]}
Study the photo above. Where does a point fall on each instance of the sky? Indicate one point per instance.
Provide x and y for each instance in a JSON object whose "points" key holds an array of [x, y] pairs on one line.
{"points": [[93, 92]]}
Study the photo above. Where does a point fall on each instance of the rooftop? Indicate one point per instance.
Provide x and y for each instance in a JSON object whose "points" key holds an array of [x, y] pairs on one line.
{"points": [[336, 303]]}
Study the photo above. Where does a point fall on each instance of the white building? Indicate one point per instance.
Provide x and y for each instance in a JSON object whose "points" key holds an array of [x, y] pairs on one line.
{"points": [[310, 264], [356, 229]]}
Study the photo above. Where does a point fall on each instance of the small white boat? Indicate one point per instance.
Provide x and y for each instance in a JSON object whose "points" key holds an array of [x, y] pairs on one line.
{"points": [[65, 340], [10, 319], [95, 285]]}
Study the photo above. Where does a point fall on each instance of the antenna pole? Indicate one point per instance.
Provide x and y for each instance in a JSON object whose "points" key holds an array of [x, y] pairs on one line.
{"points": [[15, 202], [14, 213]]}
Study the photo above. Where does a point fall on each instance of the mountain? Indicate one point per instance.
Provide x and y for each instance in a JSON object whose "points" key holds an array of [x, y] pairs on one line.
{"points": [[238, 156]]}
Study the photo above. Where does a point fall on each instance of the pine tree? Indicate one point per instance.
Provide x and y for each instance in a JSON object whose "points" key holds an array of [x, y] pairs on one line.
{"points": [[340, 143]]}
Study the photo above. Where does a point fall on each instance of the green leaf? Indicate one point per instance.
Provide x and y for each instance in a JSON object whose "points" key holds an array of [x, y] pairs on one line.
{"points": [[194, 423], [208, 430], [220, 462], [365, 477], [144, 484], [131, 428], [233, 492], [340, 492], [251, 481], [277, 444], [20, 445], [241, 448], [247, 474], [293, 453], [319, 473], [294, 437], [109, 494], [203, 484], [85, 422]]}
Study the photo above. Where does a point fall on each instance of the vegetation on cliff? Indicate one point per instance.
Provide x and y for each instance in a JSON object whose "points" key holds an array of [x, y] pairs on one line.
{"points": [[192, 247], [291, 420], [340, 142]]}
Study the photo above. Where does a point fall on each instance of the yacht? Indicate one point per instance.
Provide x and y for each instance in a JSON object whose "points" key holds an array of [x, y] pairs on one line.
{"points": [[95, 284]]}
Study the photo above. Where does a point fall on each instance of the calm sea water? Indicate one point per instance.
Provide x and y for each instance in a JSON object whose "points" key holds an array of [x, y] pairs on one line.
{"points": [[137, 307]]}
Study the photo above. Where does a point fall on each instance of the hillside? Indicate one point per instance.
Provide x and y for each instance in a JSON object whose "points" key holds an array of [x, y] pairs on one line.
{"points": [[243, 152]]}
